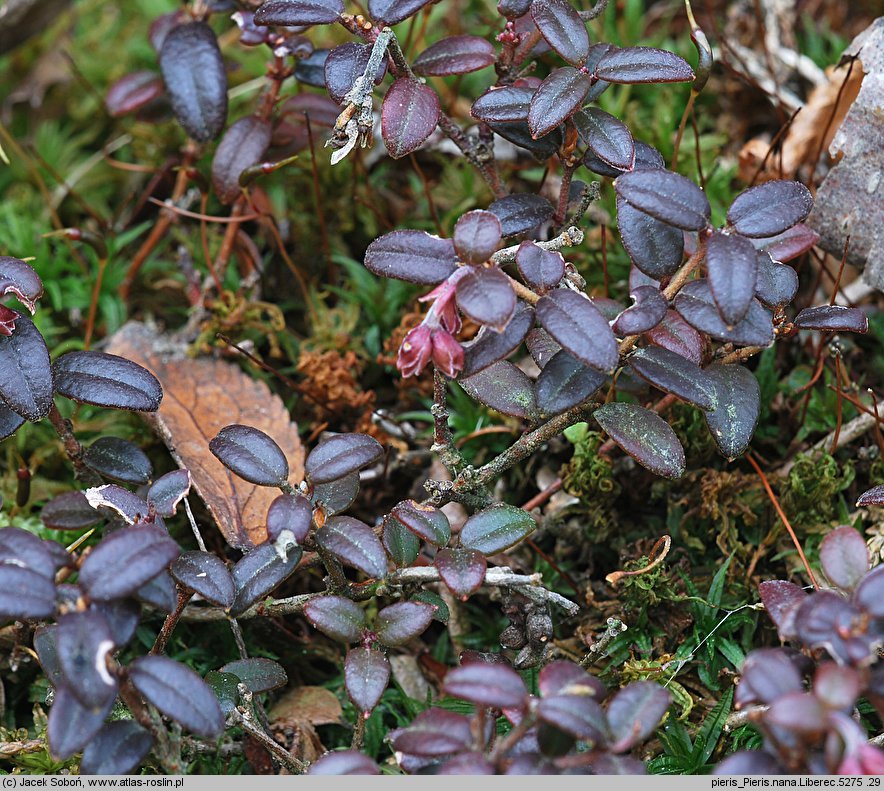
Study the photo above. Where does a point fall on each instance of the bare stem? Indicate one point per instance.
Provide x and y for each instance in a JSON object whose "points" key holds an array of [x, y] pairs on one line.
{"points": [[614, 629], [443, 442], [72, 448], [159, 646]]}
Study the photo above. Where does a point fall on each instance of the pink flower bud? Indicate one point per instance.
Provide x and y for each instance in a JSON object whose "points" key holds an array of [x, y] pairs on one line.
{"points": [[415, 351], [447, 353], [7, 320], [865, 760]]}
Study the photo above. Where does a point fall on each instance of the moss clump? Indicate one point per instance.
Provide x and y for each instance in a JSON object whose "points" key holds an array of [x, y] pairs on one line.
{"points": [[811, 492], [588, 475]]}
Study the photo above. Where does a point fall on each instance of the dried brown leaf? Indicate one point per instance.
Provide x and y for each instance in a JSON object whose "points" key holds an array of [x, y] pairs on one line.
{"points": [[306, 705]]}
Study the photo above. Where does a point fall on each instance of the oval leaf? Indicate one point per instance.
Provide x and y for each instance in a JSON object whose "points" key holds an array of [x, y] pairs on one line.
{"points": [[656, 248], [337, 495], [675, 334], [354, 544], [564, 383], [496, 529], [486, 296], [832, 317], [117, 749], [491, 346], [672, 373], [434, 732], [251, 454], [205, 574], [634, 713], [648, 311], [696, 304], [454, 55], [581, 717], [393, 11], [25, 373], [168, 490], [770, 208], [259, 571], [401, 544], [578, 325], [403, 621], [72, 726], [844, 557], [25, 594], [69, 511], [666, 196], [23, 549], [781, 600], [337, 617], [179, 693], [426, 522], [502, 105], [84, 642], [492, 685], [645, 436], [642, 64], [415, 256], [106, 380], [733, 419], [541, 269], [504, 387], [775, 284], [18, 278], [732, 266], [521, 212], [476, 236], [408, 116], [258, 674], [119, 459], [366, 674], [563, 29], [607, 137], [294, 514], [557, 99], [242, 146], [344, 762], [462, 570], [344, 65], [789, 244], [132, 92], [294, 13], [340, 455]]}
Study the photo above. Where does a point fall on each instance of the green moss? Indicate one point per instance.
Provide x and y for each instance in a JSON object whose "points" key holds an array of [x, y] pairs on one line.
{"points": [[812, 491]]}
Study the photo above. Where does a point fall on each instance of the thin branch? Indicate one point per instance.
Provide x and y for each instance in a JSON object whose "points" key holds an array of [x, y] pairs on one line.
{"points": [[615, 627], [570, 237]]}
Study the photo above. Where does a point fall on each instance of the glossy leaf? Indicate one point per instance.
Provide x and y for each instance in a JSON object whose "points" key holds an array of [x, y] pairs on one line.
{"points": [[486, 296], [10, 422], [337, 617], [657, 249], [767, 674], [132, 92], [179, 693], [106, 380], [733, 419], [561, 25], [354, 544], [607, 137], [541, 347], [434, 732], [770, 208], [403, 621], [672, 373], [496, 529], [492, 685], [789, 244], [675, 334], [565, 382], [518, 133], [21, 548], [125, 560], [47, 652], [72, 726], [491, 346], [259, 571], [507, 103], [557, 99], [193, 71], [341, 455], [311, 70], [800, 712], [565, 678], [205, 574], [84, 642], [344, 762], [441, 612], [258, 673], [454, 55], [25, 373], [634, 713], [648, 311], [392, 11], [415, 256], [462, 570], [578, 325], [294, 13], [122, 617], [119, 459], [696, 304], [665, 196], [242, 146], [476, 236], [426, 522], [121, 503], [521, 212], [25, 594], [337, 495], [401, 544], [642, 64], [869, 594], [832, 317], [19, 278], [541, 269], [645, 436], [781, 600], [581, 717], [775, 284], [844, 557], [292, 513], [874, 496], [160, 593], [504, 387], [366, 674], [408, 116], [732, 267], [168, 490], [344, 65], [117, 749], [251, 454]]}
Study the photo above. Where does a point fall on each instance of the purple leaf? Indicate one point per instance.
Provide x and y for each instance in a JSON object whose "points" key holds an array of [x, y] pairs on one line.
{"points": [[733, 419], [504, 387], [581, 717], [403, 621], [476, 236], [344, 762], [23, 549], [869, 594], [392, 11], [557, 99], [168, 490], [311, 70], [776, 284], [799, 712], [454, 55], [205, 574], [337, 495], [655, 248], [25, 373], [648, 311], [844, 557], [119, 460], [122, 616], [578, 325], [19, 279], [72, 726], [665, 196], [521, 212], [770, 208], [25, 594], [193, 71], [491, 685], [467, 764], [346, 63], [117, 749], [490, 346], [132, 92], [518, 133], [426, 522], [10, 421], [366, 673], [337, 617], [496, 529], [251, 454], [160, 593], [766, 674], [828, 620], [837, 686], [258, 674], [832, 317], [294, 13], [607, 137], [122, 502], [354, 544], [563, 29], [541, 347], [645, 436], [486, 296], [566, 678], [401, 544], [874, 496], [242, 146], [732, 265], [789, 244], [675, 334], [415, 256], [408, 116], [642, 64], [84, 642], [292, 513], [565, 382], [749, 762], [261, 569], [432, 733], [462, 570], [504, 104], [781, 600], [125, 560], [541, 269], [106, 380], [672, 373], [696, 304], [340, 455], [634, 713], [179, 693]]}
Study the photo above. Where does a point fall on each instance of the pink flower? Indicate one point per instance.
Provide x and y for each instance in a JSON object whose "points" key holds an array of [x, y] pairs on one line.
{"points": [[7, 320], [866, 759], [447, 353], [415, 351]]}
